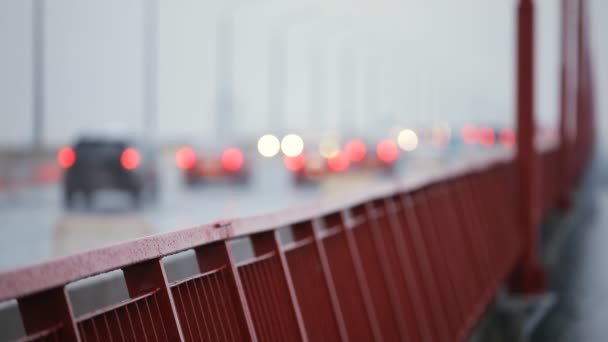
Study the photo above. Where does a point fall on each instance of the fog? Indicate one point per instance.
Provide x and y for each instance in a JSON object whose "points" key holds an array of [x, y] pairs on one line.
{"points": [[416, 62]]}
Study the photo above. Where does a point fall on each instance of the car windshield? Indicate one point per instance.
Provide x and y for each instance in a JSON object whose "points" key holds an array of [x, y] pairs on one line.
{"points": [[99, 149]]}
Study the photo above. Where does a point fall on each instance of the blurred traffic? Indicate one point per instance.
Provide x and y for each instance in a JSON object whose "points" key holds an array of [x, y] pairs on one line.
{"points": [[115, 188]]}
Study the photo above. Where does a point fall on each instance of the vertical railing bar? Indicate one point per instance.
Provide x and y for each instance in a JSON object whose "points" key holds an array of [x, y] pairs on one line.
{"points": [[130, 321], [220, 308], [162, 321], [290, 287], [279, 313], [230, 313], [207, 307], [448, 298], [422, 251], [406, 264], [141, 322], [223, 306], [364, 291], [329, 282], [105, 321], [254, 302], [389, 279], [81, 331], [149, 276], [47, 309], [95, 330], [264, 299], [478, 226], [215, 304], [261, 303], [183, 306], [220, 255], [239, 288], [362, 285], [122, 336], [200, 308]]}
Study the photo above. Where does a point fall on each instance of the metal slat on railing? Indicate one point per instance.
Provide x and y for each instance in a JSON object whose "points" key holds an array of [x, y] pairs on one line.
{"points": [[392, 325], [322, 319], [267, 283], [359, 317]]}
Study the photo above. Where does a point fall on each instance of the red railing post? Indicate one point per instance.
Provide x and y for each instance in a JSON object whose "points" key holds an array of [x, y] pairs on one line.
{"points": [[49, 311], [147, 276], [585, 127], [580, 92], [565, 129], [529, 278], [216, 256]]}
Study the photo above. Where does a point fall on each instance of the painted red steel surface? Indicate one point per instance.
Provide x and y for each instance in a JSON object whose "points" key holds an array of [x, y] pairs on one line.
{"points": [[418, 259]]}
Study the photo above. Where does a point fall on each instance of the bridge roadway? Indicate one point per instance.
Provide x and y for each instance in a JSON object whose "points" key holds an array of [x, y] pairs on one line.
{"points": [[35, 227]]}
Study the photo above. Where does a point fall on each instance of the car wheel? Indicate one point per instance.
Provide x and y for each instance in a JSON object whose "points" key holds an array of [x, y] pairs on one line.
{"points": [[136, 198], [88, 199], [191, 181], [68, 198]]}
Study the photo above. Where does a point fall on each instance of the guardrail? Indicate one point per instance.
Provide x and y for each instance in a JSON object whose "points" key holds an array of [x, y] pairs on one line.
{"points": [[412, 260]]}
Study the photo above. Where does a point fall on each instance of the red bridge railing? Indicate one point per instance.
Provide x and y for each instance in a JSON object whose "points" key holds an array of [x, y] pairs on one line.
{"points": [[415, 259]]}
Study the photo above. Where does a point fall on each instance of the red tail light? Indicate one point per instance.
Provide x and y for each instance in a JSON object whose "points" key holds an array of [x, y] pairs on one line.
{"points": [[185, 158], [296, 163], [232, 159], [507, 137], [355, 150], [469, 134], [339, 163], [387, 151], [130, 158], [66, 157], [487, 138]]}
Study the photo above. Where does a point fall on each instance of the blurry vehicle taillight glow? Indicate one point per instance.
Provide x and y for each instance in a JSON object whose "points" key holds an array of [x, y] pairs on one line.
{"points": [[66, 157], [387, 151], [507, 137], [185, 158], [441, 136], [339, 162], [355, 150], [232, 159], [130, 158], [296, 163], [487, 138], [329, 146], [469, 134]]}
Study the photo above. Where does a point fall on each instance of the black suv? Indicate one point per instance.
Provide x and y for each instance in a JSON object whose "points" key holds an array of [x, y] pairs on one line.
{"points": [[108, 163]]}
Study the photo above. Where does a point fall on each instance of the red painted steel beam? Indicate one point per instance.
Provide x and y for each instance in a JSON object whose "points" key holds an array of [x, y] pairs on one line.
{"points": [[149, 276], [268, 242], [49, 310], [566, 100], [530, 275], [218, 255]]}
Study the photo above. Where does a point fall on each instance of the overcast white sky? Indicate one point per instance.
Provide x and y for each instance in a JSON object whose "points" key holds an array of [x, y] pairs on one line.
{"points": [[460, 52]]}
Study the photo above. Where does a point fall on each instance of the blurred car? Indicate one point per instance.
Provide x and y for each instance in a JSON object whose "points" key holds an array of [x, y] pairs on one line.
{"points": [[96, 163], [200, 165], [311, 167], [307, 168]]}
